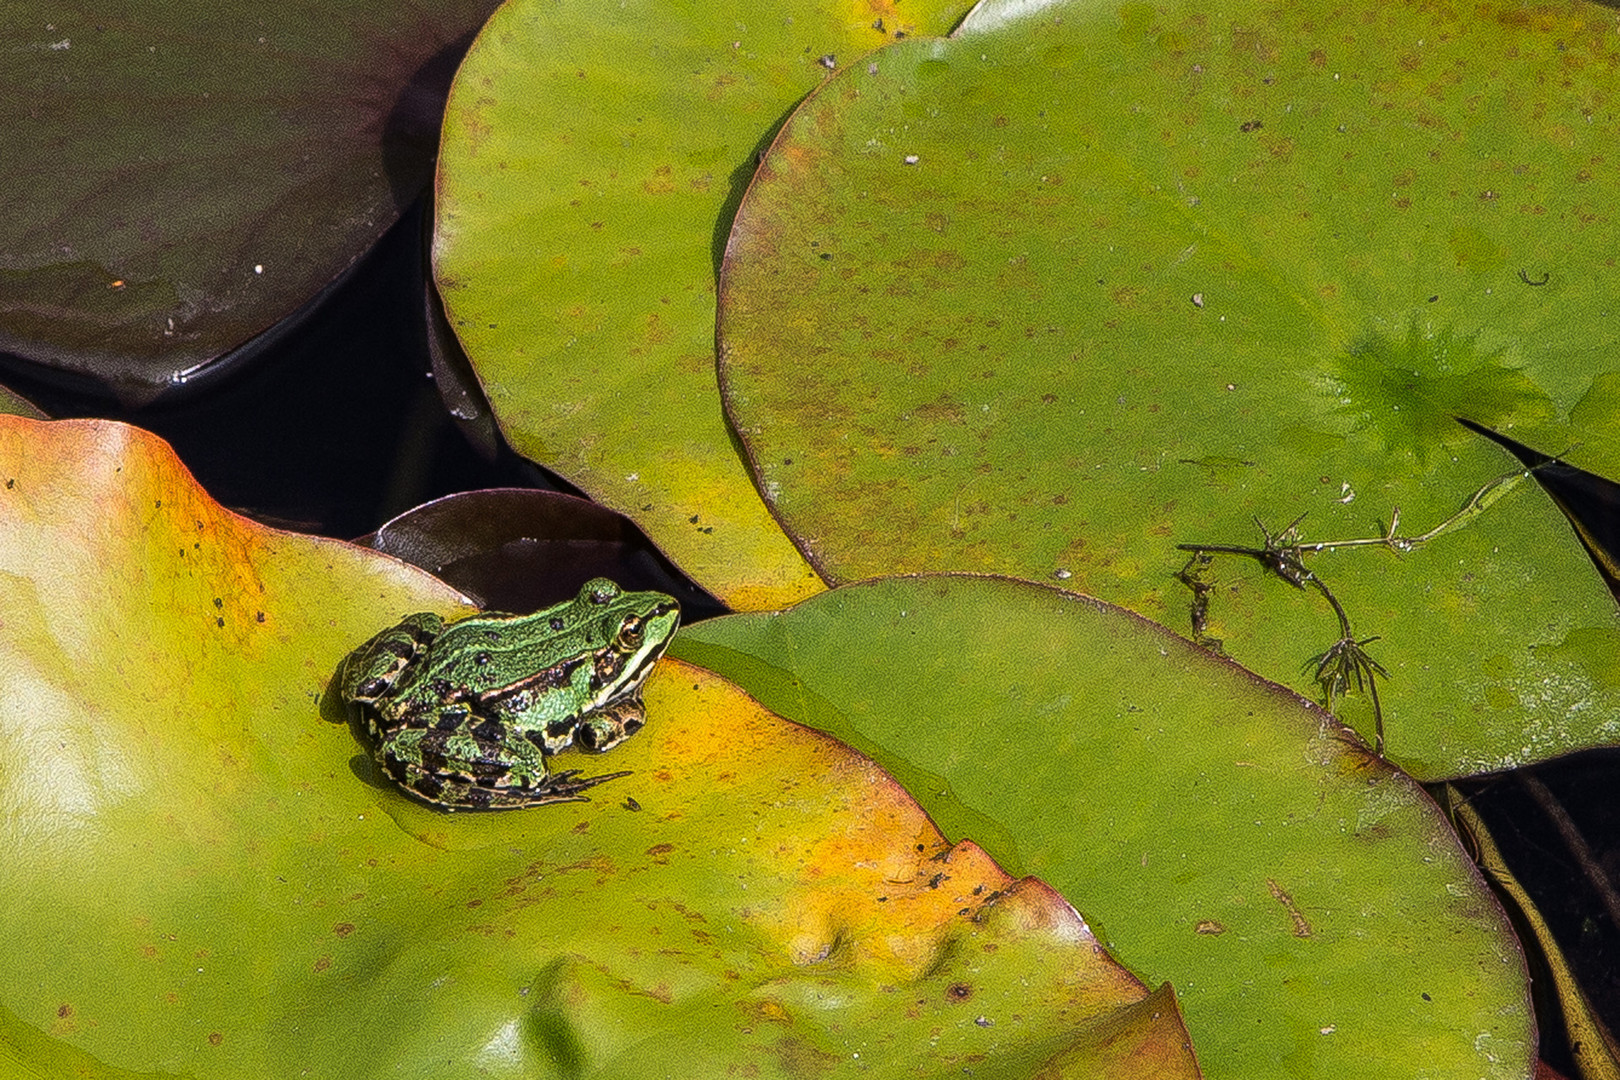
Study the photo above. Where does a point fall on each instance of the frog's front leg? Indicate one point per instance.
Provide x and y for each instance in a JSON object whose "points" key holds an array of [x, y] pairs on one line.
{"points": [[461, 770], [609, 726]]}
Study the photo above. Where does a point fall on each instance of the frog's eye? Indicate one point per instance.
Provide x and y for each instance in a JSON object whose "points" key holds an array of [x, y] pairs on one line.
{"points": [[371, 688], [630, 635]]}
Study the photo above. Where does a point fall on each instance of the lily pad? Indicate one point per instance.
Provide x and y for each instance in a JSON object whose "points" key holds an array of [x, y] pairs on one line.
{"points": [[178, 179], [1311, 905], [203, 875], [1088, 282], [515, 549], [583, 196], [17, 405]]}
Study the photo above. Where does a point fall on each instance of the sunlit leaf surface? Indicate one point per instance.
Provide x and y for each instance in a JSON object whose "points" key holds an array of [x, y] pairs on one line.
{"points": [[593, 157], [1310, 904], [203, 876], [1090, 281]]}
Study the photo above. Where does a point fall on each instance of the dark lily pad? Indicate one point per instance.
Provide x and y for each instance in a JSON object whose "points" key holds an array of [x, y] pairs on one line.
{"points": [[177, 179], [518, 550]]}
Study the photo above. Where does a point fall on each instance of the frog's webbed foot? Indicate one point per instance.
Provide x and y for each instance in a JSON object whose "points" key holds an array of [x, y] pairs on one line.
{"points": [[559, 787], [458, 791]]}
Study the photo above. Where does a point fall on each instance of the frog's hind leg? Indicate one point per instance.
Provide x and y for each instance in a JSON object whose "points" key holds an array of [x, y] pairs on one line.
{"points": [[461, 770], [373, 668]]}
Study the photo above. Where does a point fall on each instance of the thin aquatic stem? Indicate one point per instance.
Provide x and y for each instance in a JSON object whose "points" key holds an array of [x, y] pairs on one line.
{"points": [[1343, 662], [1476, 504], [1346, 661]]}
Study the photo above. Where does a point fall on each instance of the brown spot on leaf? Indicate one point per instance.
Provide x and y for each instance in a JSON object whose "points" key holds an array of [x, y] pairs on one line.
{"points": [[798, 1058], [769, 1012], [1301, 927], [943, 408], [660, 183]]}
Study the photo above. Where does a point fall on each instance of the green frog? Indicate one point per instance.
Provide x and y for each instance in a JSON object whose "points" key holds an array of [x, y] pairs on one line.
{"points": [[465, 715]]}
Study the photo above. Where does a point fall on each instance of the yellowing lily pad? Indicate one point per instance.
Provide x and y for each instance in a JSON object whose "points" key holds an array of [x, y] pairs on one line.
{"points": [[1311, 905], [584, 195], [1087, 282], [203, 875]]}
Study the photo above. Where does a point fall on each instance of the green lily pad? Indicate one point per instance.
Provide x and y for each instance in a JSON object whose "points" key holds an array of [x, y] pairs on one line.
{"points": [[179, 178], [1087, 282], [17, 405], [203, 875], [1312, 907], [583, 196]]}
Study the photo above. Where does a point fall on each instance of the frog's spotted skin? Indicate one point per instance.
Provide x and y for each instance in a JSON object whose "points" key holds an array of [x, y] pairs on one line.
{"points": [[374, 667], [466, 715]]}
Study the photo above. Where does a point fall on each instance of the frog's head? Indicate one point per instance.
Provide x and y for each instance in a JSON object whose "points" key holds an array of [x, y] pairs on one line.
{"points": [[637, 627]]}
